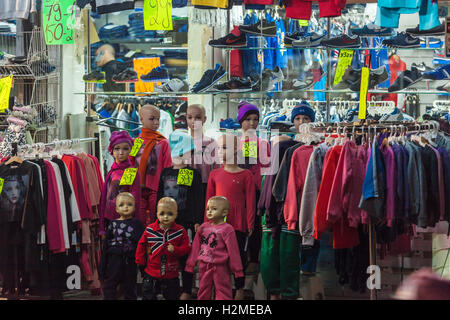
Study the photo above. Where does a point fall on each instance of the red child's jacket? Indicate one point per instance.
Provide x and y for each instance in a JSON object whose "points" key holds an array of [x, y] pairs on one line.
{"points": [[153, 245]]}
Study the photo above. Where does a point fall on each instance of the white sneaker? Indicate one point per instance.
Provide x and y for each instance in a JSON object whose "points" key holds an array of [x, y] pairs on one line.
{"points": [[277, 76], [173, 85]]}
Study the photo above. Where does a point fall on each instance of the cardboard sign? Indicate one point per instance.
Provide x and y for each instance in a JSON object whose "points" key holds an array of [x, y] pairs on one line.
{"points": [[250, 149], [158, 15], [58, 20], [128, 177], [5, 89], [185, 177], [363, 93], [345, 60], [136, 147]]}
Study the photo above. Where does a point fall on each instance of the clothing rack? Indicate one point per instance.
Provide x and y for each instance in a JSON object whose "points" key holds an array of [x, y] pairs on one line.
{"points": [[56, 143]]}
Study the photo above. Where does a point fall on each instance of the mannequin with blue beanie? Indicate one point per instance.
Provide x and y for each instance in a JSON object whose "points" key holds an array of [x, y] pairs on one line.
{"points": [[302, 113], [183, 183]]}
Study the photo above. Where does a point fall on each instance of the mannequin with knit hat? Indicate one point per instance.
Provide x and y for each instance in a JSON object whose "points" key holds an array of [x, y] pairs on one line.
{"points": [[257, 160], [183, 183], [151, 158], [119, 147]]}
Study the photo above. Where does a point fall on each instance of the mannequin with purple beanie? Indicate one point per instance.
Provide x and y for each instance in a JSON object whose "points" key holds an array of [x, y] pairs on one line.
{"points": [[119, 147]]}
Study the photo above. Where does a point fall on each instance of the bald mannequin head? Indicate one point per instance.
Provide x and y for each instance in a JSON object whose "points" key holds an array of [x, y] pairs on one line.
{"points": [[107, 54], [227, 148], [149, 115], [167, 211], [217, 209], [195, 113]]}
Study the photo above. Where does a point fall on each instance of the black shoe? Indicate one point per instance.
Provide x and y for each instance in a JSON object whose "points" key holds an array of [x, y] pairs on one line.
{"points": [[209, 78], [235, 85], [290, 37], [95, 76], [405, 79], [157, 74], [436, 31], [262, 28], [343, 41], [376, 76], [230, 41], [126, 76], [422, 67]]}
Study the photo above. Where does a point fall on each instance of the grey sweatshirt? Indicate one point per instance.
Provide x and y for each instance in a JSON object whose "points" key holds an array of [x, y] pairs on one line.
{"points": [[310, 192], [17, 9]]}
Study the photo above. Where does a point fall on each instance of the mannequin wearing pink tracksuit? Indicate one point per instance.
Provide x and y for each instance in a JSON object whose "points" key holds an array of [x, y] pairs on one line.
{"points": [[215, 247]]}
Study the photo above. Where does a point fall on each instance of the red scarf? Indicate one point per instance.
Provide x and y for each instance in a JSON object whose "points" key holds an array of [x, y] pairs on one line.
{"points": [[151, 138]]}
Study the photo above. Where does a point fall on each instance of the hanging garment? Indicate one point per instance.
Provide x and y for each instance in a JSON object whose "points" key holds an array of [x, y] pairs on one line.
{"points": [[257, 163], [301, 9]]}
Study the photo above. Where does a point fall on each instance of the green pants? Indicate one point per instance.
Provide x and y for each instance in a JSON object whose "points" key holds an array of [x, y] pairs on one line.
{"points": [[280, 262]]}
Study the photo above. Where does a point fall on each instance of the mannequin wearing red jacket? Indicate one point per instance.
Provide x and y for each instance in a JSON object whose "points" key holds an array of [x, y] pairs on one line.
{"points": [[158, 252]]}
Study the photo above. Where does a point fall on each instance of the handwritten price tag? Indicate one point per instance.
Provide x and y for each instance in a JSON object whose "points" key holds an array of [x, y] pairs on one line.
{"points": [[5, 89], [185, 177], [250, 149], [128, 177], [58, 19], [363, 93], [136, 147], [158, 15], [345, 60], [1, 185]]}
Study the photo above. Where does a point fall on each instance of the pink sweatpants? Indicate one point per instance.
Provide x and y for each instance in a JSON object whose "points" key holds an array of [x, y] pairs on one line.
{"points": [[218, 275]]}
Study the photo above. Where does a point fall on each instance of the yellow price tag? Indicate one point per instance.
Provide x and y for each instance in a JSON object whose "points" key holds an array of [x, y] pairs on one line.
{"points": [[345, 60], [363, 93], [303, 23], [136, 147], [1, 185], [158, 15], [128, 177], [185, 177], [250, 149], [5, 89]]}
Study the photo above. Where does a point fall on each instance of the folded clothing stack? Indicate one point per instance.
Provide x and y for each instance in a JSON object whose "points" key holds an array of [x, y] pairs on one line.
{"points": [[112, 31], [136, 29]]}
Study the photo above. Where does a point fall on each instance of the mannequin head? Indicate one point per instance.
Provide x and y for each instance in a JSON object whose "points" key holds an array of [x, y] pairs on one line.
{"points": [[227, 148], [167, 211], [217, 209], [125, 205], [149, 115], [248, 117], [105, 54], [302, 113], [195, 117], [120, 144]]}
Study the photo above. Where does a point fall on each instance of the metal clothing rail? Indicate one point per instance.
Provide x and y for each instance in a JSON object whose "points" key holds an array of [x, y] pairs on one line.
{"points": [[55, 143]]}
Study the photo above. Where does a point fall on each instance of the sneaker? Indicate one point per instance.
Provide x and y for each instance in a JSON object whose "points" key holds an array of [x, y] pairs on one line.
{"points": [[432, 43], [235, 85], [440, 58], [344, 41], [421, 67], [156, 75], [262, 28], [436, 31], [308, 40], [291, 37], [405, 79], [371, 30], [276, 77], [127, 75], [445, 87], [209, 78], [95, 77], [173, 85], [229, 124], [350, 77], [402, 40], [376, 76], [230, 41], [441, 73]]}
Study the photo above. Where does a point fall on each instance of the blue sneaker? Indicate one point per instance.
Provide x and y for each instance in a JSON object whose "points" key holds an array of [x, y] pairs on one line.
{"points": [[432, 43], [308, 40], [441, 73], [402, 40], [371, 30], [229, 124]]}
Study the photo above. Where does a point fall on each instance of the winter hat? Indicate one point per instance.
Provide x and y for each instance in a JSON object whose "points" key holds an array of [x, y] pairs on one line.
{"points": [[305, 109], [119, 137], [180, 142], [245, 109]]}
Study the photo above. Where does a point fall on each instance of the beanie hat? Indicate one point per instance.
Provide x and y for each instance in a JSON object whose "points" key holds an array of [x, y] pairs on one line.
{"points": [[305, 109], [180, 142], [119, 137], [245, 109]]}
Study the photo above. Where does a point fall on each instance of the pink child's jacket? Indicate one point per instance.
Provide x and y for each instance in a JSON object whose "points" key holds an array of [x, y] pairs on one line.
{"points": [[215, 244]]}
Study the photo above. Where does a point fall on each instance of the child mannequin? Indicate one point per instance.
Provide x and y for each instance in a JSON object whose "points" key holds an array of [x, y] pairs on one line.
{"points": [[119, 146], [153, 156], [215, 246], [302, 113], [117, 264], [187, 193], [158, 252], [205, 156], [238, 186]]}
